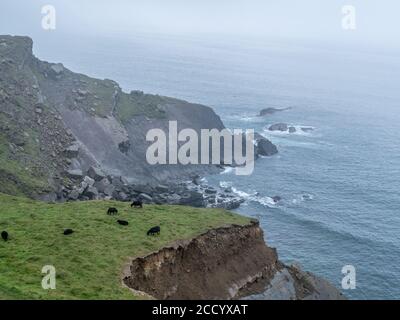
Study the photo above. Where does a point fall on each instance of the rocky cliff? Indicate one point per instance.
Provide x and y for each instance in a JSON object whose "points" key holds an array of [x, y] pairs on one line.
{"points": [[57, 125], [231, 262]]}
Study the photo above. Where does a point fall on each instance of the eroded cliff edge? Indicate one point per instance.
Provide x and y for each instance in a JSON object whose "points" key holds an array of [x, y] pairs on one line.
{"points": [[230, 262]]}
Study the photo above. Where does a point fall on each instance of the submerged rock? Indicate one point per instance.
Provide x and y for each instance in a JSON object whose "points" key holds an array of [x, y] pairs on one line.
{"points": [[276, 198], [278, 127], [269, 111]]}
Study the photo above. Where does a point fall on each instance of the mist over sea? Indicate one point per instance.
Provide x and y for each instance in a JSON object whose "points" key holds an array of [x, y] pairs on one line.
{"points": [[339, 183]]}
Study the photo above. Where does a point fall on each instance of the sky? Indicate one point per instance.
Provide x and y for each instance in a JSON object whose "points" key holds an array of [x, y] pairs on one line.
{"points": [[376, 20]]}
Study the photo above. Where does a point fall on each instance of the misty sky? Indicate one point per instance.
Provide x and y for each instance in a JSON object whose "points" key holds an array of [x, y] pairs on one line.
{"points": [[377, 20]]}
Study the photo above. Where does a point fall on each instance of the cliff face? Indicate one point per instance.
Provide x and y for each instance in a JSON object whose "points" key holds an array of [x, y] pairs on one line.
{"points": [[226, 263], [53, 121]]}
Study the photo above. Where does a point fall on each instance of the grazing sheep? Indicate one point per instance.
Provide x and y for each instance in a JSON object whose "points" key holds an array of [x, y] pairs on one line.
{"points": [[68, 232], [4, 235], [123, 222], [137, 204], [112, 211], [153, 231]]}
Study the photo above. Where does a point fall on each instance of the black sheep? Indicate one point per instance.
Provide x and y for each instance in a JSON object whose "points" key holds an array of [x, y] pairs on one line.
{"points": [[4, 235], [137, 204], [123, 222], [68, 232], [153, 231], [112, 211]]}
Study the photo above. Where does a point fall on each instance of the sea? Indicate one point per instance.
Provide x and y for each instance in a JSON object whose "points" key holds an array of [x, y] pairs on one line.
{"points": [[339, 183]]}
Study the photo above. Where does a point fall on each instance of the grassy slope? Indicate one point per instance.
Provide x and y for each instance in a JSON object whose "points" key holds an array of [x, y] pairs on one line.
{"points": [[89, 262]]}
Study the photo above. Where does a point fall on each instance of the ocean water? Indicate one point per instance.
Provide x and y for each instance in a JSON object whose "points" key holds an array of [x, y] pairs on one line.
{"points": [[339, 183]]}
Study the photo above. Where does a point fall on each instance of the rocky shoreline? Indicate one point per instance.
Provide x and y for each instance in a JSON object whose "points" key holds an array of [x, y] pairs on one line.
{"points": [[95, 185]]}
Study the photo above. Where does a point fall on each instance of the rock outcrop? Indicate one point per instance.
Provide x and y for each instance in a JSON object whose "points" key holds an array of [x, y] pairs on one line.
{"points": [[264, 147], [269, 111], [231, 262], [278, 127]]}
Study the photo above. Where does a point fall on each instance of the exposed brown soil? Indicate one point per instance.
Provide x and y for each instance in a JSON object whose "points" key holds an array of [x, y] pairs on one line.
{"points": [[224, 263]]}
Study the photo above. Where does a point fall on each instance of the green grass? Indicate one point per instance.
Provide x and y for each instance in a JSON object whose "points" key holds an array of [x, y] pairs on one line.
{"points": [[138, 103], [89, 262], [104, 90]]}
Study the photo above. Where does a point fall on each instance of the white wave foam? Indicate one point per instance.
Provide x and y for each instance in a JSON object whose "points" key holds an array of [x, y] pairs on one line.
{"points": [[245, 118], [225, 184], [240, 193], [265, 201], [227, 170], [302, 197]]}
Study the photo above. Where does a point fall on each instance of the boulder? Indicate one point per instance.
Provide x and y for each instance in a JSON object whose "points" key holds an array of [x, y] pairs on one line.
{"points": [[230, 204], [161, 188], [91, 193], [72, 151], [75, 174], [210, 191], [145, 197], [124, 181], [116, 182], [193, 198], [109, 190], [278, 127], [102, 184], [96, 173], [264, 147], [122, 196], [82, 93], [292, 129], [74, 195], [89, 181], [57, 68], [143, 188], [83, 186]]}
